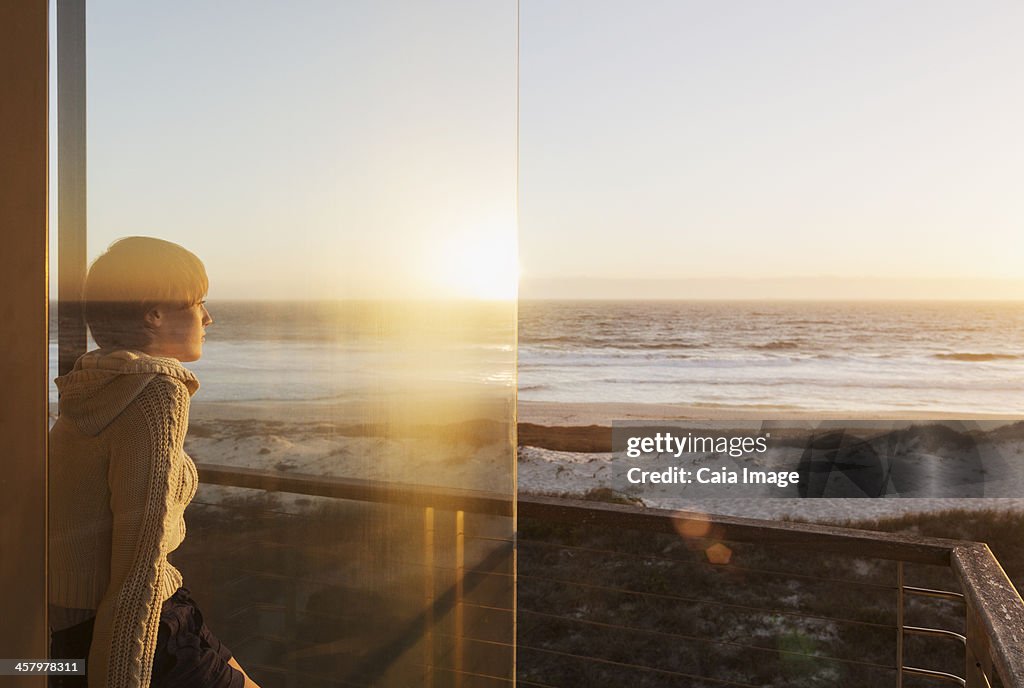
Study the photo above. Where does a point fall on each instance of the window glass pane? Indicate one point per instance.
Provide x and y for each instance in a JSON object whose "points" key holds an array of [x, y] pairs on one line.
{"points": [[346, 172]]}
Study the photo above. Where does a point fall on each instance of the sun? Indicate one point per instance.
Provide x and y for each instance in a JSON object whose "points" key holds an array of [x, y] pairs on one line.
{"points": [[481, 264]]}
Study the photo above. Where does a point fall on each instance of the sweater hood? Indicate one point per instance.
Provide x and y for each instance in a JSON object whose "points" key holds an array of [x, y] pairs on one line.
{"points": [[104, 382]]}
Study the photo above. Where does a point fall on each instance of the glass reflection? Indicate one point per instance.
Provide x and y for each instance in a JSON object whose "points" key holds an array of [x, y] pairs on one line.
{"points": [[347, 174]]}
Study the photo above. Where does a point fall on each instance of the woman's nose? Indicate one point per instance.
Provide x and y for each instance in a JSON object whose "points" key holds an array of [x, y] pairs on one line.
{"points": [[207, 318]]}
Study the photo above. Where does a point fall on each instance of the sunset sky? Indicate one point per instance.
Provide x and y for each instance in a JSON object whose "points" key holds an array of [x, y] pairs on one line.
{"points": [[785, 139], [687, 149]]}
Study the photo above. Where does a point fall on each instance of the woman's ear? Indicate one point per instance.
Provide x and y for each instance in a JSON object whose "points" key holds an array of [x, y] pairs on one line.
{"points": [[153, 318]]}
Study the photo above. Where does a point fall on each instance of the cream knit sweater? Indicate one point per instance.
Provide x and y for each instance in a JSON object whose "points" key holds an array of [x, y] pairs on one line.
{"points": [[119, 484]]}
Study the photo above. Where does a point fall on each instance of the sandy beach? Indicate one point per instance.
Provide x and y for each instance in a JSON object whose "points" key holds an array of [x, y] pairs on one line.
{"points": [[564, 449], [446, 441]]}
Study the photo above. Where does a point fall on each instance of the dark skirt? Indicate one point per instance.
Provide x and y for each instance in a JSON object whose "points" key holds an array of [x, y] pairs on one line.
{"points": [[187, 654]]}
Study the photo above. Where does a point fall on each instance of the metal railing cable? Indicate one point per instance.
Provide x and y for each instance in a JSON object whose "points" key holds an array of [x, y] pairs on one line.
{"points": [[937, 675], [763, 611], [441, 608], [636, 667], [528, 682], [375, 662], [718, 568], [714, 641], [995, 612], [928, 592], [473, 674], [635, 629], [676, 636], [245, 571]]}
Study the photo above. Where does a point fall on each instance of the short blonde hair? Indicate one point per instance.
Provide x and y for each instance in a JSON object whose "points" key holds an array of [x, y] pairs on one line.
{"points": [[131, 277]]}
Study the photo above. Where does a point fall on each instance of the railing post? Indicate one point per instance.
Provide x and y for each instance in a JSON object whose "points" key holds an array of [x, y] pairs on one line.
{"points": [[899, 624], [460, 565], [995, 617], [979, 659], [428, 592], [291, 591]]}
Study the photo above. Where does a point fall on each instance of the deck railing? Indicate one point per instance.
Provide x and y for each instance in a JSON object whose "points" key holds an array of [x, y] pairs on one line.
{"points": [[989, 635]]}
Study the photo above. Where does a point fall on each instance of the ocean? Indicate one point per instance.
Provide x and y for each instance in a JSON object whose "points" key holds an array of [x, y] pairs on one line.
{"points": [[855, 358], [348, 351], [878, 357]]}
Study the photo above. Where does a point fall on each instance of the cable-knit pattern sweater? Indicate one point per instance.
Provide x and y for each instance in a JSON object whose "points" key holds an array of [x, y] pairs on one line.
{"points": [[119, 484]]}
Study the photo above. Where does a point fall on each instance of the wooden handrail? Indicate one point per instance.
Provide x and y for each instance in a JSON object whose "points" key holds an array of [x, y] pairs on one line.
{"points": [[897, 547], [357, 489], [995, 610], [995, 613]]}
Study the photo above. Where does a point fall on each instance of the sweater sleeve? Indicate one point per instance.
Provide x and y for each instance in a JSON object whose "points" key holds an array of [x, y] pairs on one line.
{"points": [[142, 459]]}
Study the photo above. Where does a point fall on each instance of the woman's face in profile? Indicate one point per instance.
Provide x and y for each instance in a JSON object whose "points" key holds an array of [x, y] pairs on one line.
{"points": [[179, 332]]}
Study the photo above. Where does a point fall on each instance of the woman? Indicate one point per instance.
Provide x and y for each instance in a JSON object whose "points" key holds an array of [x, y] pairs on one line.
{"points": [[120, 479]]}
